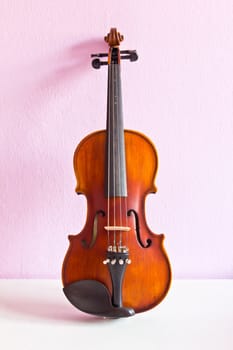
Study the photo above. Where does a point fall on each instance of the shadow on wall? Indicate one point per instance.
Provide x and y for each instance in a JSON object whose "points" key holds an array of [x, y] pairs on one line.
{"points": [[74, 61], [32, 169]]}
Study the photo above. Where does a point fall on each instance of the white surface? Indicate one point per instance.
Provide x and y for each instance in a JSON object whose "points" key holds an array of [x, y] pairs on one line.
{"points": [[34, 314]]}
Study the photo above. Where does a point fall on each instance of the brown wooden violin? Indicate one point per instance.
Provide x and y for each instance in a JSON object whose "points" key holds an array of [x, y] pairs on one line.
{"points": [[116, 266]]}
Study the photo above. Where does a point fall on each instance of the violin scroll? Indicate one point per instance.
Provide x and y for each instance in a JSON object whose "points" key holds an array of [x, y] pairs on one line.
{"points": [[114, 38]]}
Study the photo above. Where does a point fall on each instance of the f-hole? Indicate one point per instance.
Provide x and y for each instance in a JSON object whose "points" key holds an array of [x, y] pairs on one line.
{"points": [[137, 229], [94, 231]]}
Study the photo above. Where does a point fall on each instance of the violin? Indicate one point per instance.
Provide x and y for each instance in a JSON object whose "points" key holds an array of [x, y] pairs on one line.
{"points": [[116, 266]]}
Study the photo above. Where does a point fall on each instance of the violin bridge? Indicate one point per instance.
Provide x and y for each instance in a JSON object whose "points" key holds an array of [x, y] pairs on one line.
{"points": [[118, 249], [117, 228]]}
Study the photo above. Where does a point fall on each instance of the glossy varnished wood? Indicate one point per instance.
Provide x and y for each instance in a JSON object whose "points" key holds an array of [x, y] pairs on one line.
{"points": [[148, 277]]}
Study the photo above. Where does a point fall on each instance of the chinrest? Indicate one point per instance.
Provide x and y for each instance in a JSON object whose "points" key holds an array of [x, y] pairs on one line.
{"points": [[93, 297]]}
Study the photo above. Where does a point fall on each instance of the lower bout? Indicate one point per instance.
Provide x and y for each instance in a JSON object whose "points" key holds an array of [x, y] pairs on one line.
{"points": [[147, 288]]}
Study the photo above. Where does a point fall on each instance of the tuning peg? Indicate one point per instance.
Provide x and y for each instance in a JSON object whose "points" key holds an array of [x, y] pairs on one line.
{"points": [[133, 56], [125, 55], [99, 55], [96, 63], [129, 55]]}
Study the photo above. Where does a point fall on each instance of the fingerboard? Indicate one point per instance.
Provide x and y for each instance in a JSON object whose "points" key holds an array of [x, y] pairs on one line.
{"points": [[115, 172]]}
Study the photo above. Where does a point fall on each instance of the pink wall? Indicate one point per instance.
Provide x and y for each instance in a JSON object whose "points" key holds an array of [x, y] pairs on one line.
{"points": [[179, 93]]}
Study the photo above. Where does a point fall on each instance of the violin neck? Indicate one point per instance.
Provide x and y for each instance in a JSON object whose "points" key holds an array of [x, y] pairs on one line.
{"points": [[115, 172]]}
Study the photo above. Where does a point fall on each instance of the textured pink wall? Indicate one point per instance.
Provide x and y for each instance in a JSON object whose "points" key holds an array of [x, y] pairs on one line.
{"points": [[179, 93]]}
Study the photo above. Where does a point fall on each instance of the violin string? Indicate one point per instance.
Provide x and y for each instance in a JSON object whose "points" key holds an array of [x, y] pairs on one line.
{"points": [[108, 137], [120, 153], [114, 158], [118, 110], [123, 200], [126, 220]]}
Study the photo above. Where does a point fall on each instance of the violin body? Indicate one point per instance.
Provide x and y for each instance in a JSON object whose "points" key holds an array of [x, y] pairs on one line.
{"points": [[150, 268], [115, 266]]}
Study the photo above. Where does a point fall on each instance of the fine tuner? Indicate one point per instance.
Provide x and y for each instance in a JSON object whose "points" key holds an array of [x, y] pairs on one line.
{"points": [[114, 261], [125, 55]]}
